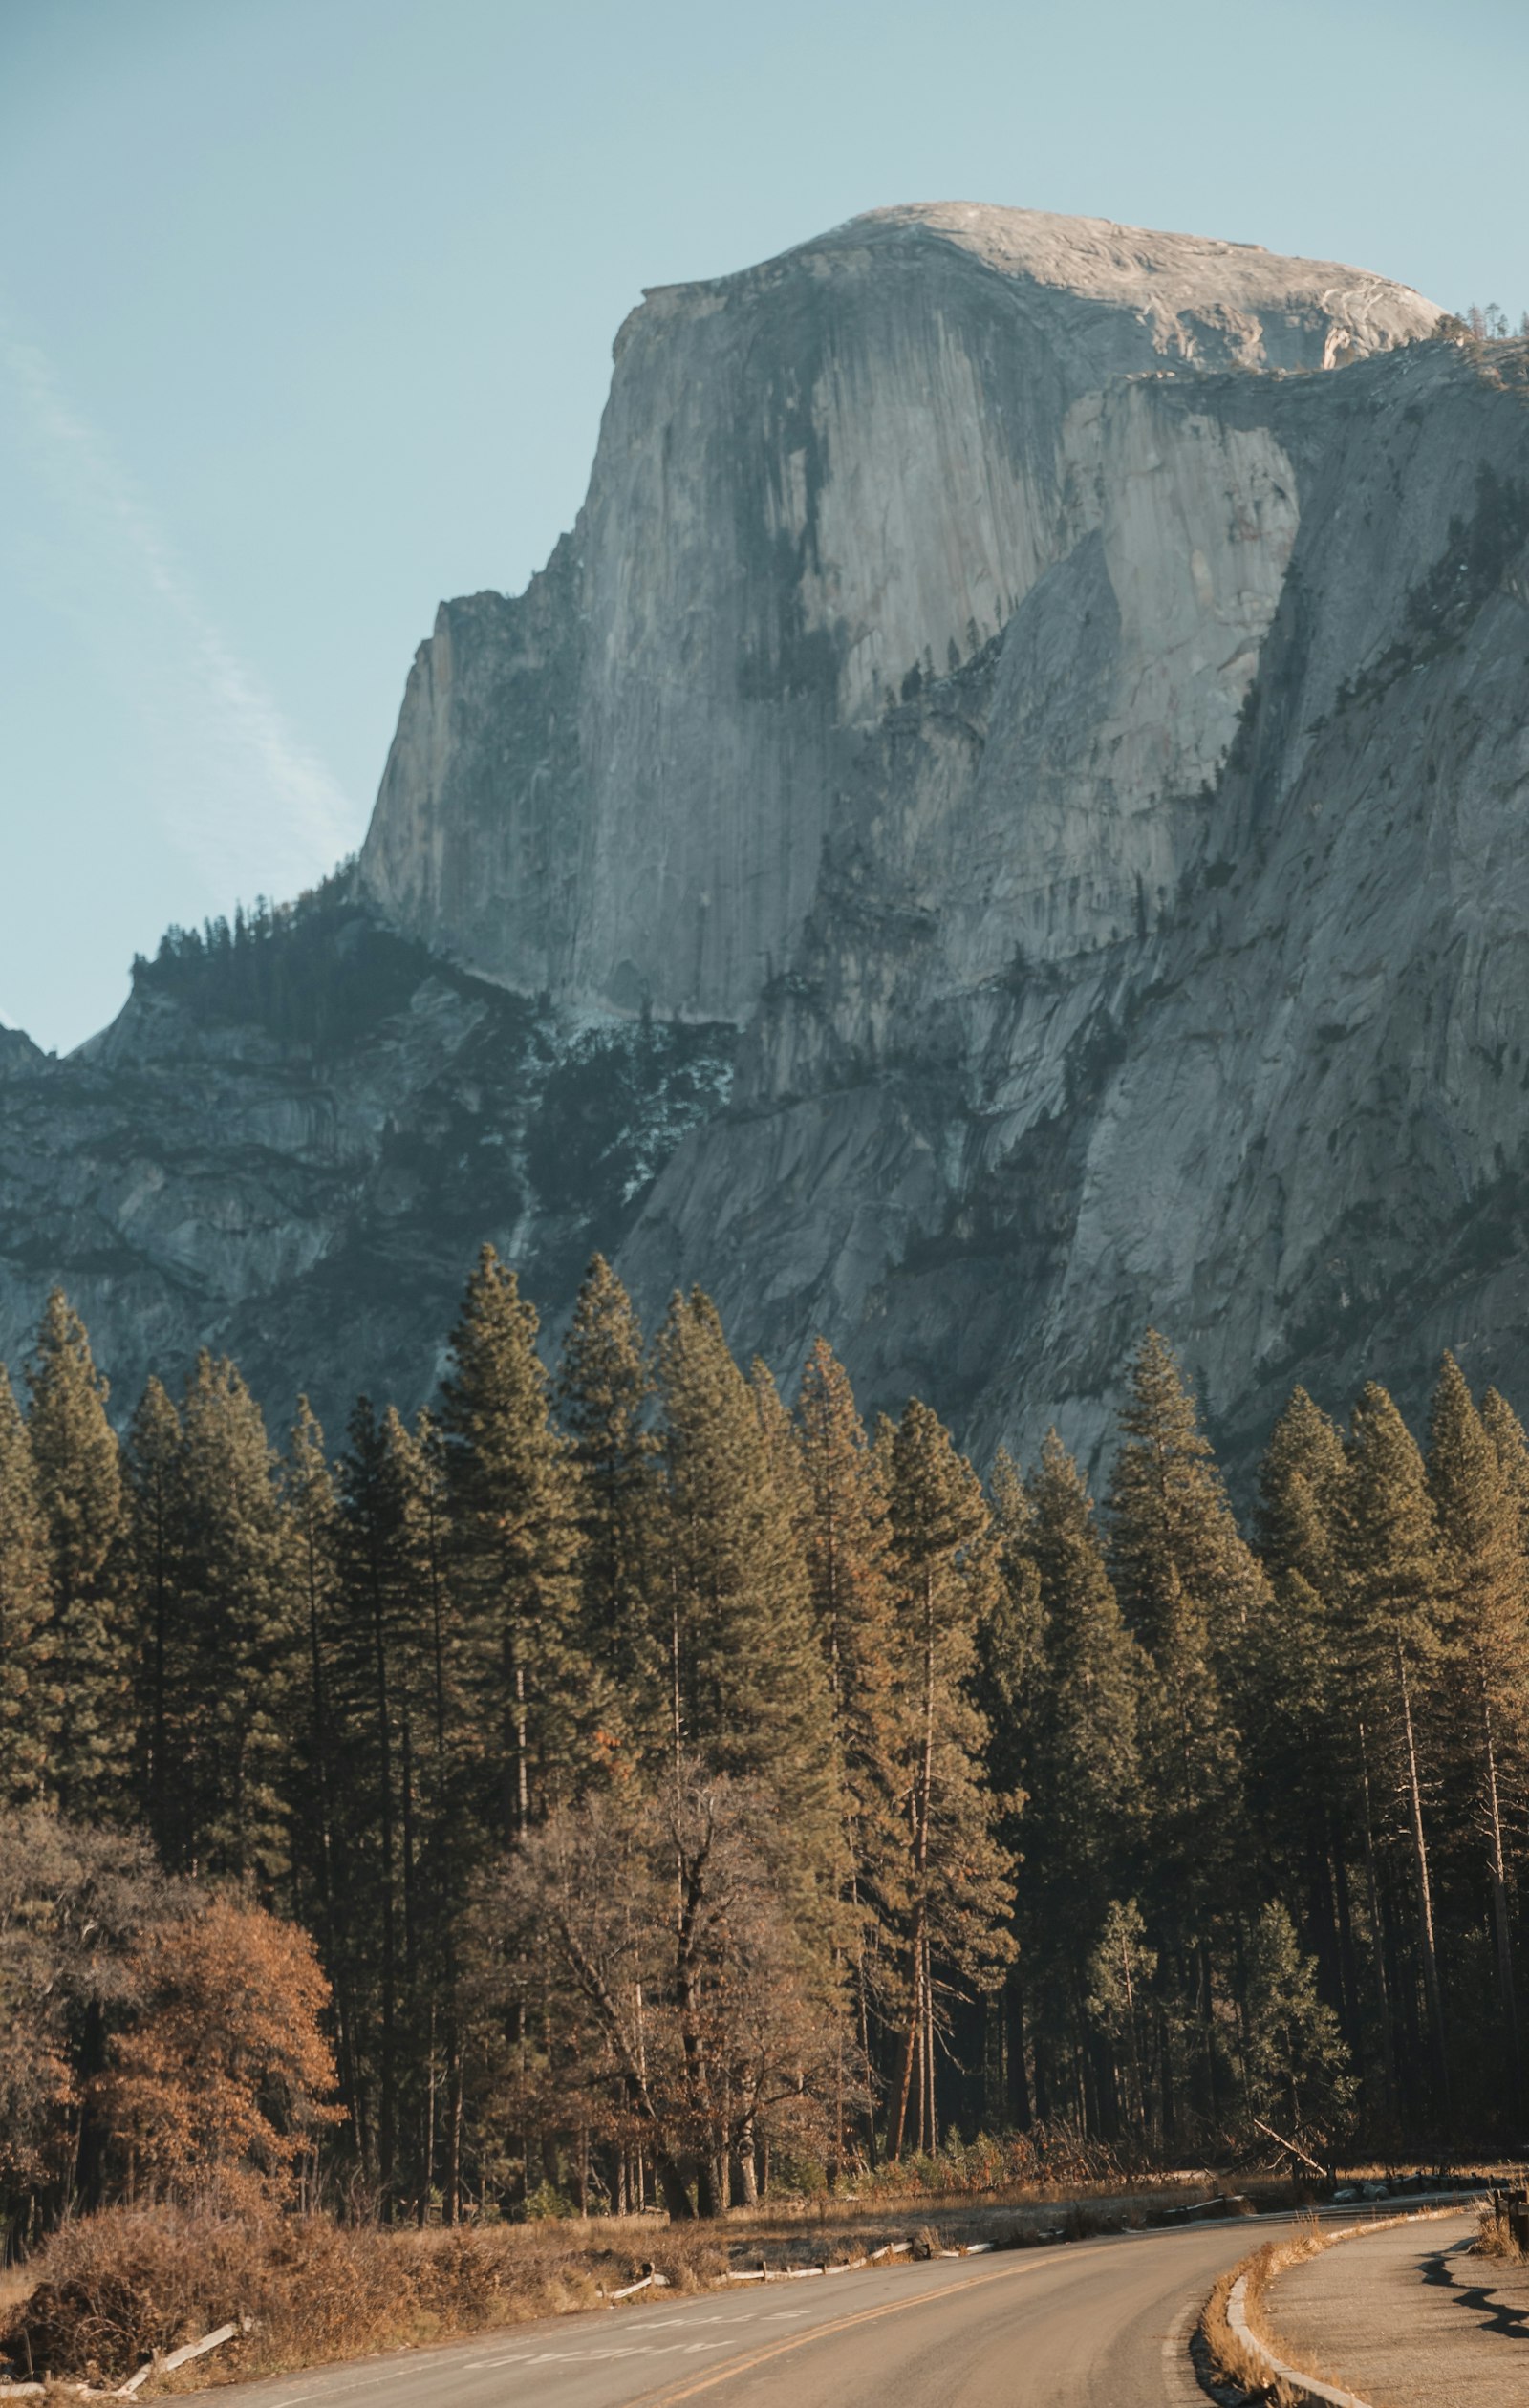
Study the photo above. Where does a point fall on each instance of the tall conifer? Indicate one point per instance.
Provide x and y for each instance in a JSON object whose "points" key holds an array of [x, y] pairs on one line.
{"points": [[604, 1393], [847, 1542], [515, 1541], [1511, 1440], [311, 1542], [1192, 1592], [1303, 1793], [80, 1486], [1485, 1568], [1394, 1639], [1009, 1685], [240, 1641], [748, 1693], [1082, 1823], [443, 1850], [29, 1695], [154, 1471], [955, 1874], [372, 1685]]}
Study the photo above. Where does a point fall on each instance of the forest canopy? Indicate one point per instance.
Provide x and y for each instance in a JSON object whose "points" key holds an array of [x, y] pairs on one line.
{"points": [[627, 1785]]}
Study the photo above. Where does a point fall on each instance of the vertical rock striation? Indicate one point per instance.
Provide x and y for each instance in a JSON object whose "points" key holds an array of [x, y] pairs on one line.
{"points": [[816, 482]]}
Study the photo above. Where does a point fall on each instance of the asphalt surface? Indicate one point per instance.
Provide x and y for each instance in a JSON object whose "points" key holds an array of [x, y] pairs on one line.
{"points": [[1090, 2324]]}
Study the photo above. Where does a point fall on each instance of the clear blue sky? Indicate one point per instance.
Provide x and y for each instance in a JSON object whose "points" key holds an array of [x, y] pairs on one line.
{"points": [[305, 310]]}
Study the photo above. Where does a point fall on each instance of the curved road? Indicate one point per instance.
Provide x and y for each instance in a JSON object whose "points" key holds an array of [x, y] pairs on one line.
{"points": [[1091, 2324]]}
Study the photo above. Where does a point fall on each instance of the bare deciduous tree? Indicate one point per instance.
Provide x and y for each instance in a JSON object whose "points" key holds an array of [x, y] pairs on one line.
{"points": [[685, 2011]]}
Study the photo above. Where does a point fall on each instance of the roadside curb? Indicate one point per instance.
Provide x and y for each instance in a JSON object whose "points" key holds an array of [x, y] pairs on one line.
{"points": [[1309, 2386]]}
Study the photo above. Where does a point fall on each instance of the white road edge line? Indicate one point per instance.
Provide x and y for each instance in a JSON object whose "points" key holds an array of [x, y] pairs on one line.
{"points": [[1181, 2381]]}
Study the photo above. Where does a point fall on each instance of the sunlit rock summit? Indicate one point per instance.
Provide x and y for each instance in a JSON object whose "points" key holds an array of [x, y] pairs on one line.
{"points": [[1000, 823]]}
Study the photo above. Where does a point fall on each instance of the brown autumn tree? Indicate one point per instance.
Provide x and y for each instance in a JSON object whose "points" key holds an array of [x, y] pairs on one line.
{"points": [[75, 1906], [221, 2085]]}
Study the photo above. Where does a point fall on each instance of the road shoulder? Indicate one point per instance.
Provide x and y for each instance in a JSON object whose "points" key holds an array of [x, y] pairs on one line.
{"points": [[1408, 2317]]}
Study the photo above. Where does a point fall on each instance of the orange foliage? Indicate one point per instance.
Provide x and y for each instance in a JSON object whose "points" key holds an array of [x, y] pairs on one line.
{"points": [[220, 2083]]}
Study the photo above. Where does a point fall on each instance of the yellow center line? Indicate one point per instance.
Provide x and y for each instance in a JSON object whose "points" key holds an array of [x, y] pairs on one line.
{"points": [[822, 2331]]}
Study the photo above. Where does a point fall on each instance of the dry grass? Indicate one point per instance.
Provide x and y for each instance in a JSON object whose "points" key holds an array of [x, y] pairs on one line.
{"points": [[1496, 2240], [1231, 2359], [15, 2282], [113, 2289]]}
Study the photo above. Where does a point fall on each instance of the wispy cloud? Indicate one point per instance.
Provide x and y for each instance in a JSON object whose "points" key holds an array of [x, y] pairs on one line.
{"points": [[250, 805]]}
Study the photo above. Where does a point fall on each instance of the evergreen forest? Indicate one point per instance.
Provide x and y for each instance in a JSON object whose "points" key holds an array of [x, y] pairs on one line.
{"points": [[627, 1785]]}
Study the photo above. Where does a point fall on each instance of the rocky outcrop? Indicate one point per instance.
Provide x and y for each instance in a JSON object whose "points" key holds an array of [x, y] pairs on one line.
{"points": [[19, 1057], [1050, 705], [291, 1148]]}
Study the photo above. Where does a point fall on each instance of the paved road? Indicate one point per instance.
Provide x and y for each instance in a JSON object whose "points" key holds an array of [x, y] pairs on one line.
{"points": [[1093, 2324], [1408, 2318]]}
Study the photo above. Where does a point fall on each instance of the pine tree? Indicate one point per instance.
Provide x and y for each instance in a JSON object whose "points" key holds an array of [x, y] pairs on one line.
{"points": [[370, 1686], [1120, 1974], [1011, 1640], [1008, 1692], [311, 1531], [1187, 1581], [515, 1543], [79, 1486], [1301, 1793], [1300, 1479], [237, 1683], [1192, 1592], [1511, 1440], [747, 1691], [604, 1396], [1082, 1823], [1487, 1575], [847, 1544], [1393, 1641], [29, 1696], [1297, 2064], [955, 1874], [1016, 1630], [153, 1473], [442, 1834]]}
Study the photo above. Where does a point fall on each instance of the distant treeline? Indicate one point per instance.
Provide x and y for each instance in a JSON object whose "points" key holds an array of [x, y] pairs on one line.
{"points": [[1492, 325], [681, 1784], [316, 973]]}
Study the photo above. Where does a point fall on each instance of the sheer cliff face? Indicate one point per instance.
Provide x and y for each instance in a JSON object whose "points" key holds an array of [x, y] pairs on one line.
{"points": [[816, 482], [1060, 691], [1076, 1038], [1039, 713]]}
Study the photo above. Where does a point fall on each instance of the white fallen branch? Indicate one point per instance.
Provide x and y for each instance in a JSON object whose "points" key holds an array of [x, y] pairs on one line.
{"points": [[182, 2356], [649, 2282]]}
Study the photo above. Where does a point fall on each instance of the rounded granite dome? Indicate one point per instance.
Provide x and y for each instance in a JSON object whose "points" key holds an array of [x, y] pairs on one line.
{"points": [[1177, 281]]}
